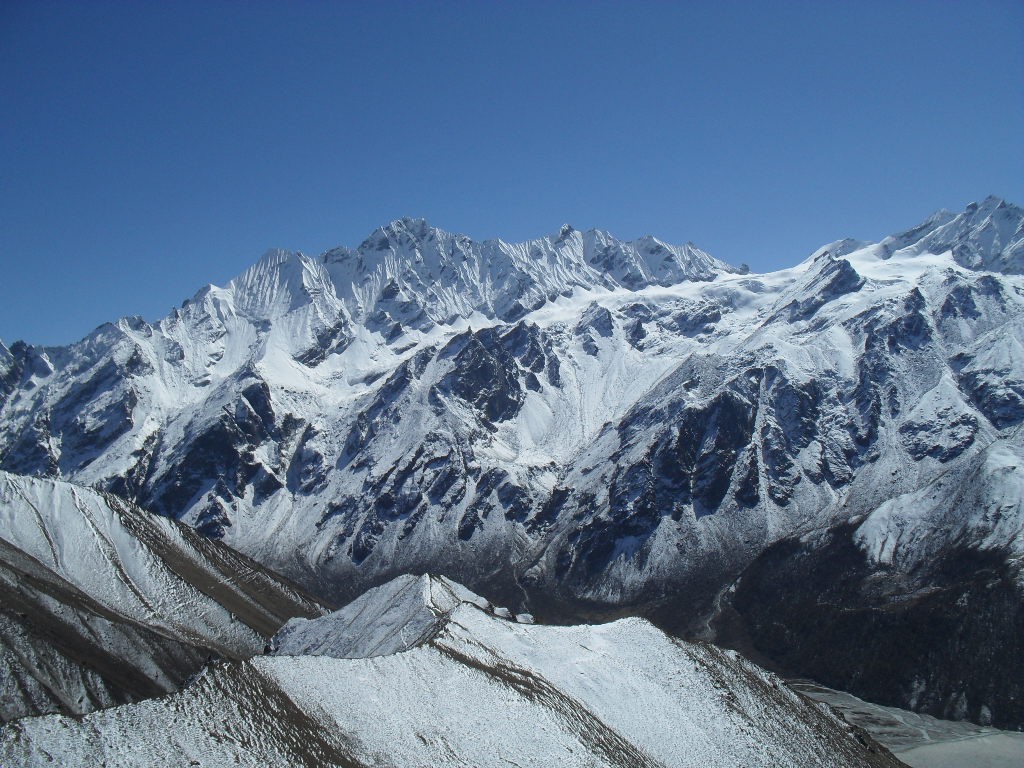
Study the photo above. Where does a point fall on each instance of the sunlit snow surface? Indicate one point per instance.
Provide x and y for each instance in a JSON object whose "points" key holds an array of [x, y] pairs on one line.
{"points": [[404, 613], [636, 416], [76, 535], [480, 691], [103, 602], [634, 327]]}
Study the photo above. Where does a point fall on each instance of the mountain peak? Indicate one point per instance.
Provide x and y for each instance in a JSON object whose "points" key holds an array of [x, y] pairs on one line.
{"points": [[409, 272], [985, 236], [273, 257], [415, 226], [394, 617], [991, 202]]}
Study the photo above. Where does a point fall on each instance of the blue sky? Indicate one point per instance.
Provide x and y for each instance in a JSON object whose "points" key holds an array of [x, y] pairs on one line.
{"points": [[147, 149]]}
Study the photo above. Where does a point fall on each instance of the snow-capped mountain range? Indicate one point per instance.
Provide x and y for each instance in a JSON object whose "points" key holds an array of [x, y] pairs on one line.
{"points": [[817, 465], [421, 671]]}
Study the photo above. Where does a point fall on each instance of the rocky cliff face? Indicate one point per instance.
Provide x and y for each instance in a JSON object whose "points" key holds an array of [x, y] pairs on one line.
{"points": [[583, 426]]}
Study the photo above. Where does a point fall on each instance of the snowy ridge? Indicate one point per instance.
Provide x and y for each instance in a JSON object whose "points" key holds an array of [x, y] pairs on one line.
{"points": [[987, 235], [103, 602], [413, 273], [531, 694], [388, 619], [579, 425]]}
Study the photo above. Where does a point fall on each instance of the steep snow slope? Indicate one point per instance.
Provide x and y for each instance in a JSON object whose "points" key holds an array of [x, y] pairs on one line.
{"points": [[481, 690], [396, 616], [104, 603], [985, 236], [583, 426]]}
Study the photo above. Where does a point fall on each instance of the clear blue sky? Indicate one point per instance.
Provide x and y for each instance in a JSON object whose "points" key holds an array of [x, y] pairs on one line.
{"points": [[147, 149]]}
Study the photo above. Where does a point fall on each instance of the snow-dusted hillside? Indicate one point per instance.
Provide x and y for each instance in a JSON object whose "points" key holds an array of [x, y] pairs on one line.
{"points": [[396, 616], [579, 425], [104, 603], [478, 690]]}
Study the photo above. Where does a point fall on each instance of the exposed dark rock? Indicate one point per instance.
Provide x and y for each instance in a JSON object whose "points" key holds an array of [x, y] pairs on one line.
{"points": [[331, 340], [943, 439], [926, 641], [484, 375], [997, 395], [836, 279]]}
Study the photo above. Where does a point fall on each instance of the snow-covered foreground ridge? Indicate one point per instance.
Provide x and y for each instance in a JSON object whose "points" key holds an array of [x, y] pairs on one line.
{"points": [[477, 690], [586, 426], [102, 603]]}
